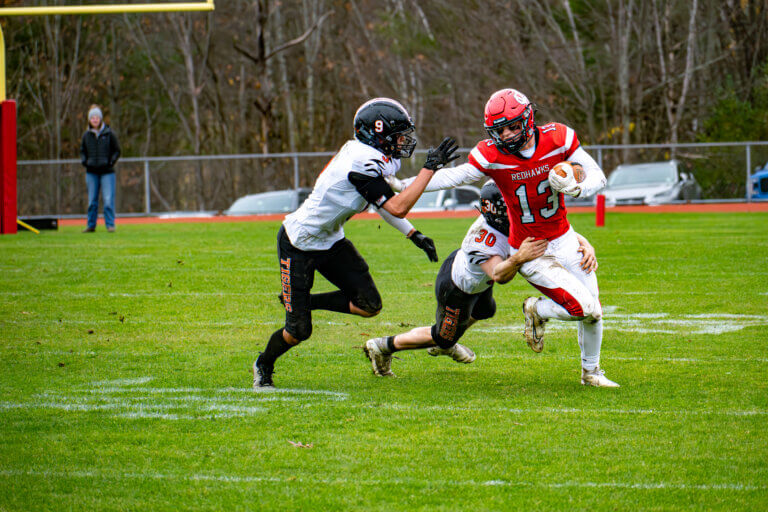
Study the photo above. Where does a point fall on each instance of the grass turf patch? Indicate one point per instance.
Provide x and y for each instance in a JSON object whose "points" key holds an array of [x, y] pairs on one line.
{"points": [[127, 371]]}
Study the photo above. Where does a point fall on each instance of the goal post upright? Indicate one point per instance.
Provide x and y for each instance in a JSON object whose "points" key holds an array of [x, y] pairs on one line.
{"points": [[8, 193]]}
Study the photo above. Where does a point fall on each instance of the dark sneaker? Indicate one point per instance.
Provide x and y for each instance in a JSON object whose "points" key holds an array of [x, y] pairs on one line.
{"points": [[262, 375], [111, 229], [89, 230]]}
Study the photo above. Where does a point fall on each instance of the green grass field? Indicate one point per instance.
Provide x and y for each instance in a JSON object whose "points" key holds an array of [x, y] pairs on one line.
{"points": [[126, 378]]}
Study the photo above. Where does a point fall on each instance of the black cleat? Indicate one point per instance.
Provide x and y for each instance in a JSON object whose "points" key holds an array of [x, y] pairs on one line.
{"points": [[262, 375]]}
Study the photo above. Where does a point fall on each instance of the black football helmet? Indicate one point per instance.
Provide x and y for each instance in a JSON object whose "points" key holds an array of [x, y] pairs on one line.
{"points": [[493, 207], [380, 122]]}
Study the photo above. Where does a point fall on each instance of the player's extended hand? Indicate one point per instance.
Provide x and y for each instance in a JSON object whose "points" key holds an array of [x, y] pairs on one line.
{"points": [[531, 249], [426, 244], [588, 258], [438, 158]]}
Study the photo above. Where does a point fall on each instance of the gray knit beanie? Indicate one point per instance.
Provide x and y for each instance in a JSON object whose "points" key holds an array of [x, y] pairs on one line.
{"points": [[95, 111]]}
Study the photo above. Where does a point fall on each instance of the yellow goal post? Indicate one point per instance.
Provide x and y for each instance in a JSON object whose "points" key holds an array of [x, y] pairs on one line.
{"points": [[8, 196]]}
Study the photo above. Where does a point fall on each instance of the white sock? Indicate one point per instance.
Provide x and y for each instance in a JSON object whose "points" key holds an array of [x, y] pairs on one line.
{"points": [[547, 308], [590, 340]]}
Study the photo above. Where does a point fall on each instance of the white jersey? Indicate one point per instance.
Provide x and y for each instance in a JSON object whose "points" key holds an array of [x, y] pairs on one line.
{"points": [[318, 223], [480, 244]]}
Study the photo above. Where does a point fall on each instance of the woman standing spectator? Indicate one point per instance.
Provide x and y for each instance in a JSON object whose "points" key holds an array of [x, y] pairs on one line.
{"points": [[99, 152]]}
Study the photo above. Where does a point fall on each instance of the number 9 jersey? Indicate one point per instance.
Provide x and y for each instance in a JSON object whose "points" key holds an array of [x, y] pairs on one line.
{"points": [[534, 208]]}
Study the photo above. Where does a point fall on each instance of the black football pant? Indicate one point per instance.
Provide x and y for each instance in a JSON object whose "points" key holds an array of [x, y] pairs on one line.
{"points": [[342, 265]]}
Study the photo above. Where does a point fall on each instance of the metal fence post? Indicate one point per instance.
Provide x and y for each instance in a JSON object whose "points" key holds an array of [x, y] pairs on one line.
{"points": [[600, 158], [147, 205], [749, 166], [295, 171]]}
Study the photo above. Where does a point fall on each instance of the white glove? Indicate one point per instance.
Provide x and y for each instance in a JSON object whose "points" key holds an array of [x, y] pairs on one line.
{"points": [[396, 184], [566, 184]]}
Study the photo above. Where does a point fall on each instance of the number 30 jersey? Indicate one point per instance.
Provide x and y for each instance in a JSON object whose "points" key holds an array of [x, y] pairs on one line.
{"points": [[480, 244], [534, 209]]}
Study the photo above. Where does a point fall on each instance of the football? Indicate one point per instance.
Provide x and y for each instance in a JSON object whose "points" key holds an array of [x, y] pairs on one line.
{"points": [[566, 169]]}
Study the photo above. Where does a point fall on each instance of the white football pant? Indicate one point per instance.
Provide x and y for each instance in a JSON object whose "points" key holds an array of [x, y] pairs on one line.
{"points": [[573, 294]]}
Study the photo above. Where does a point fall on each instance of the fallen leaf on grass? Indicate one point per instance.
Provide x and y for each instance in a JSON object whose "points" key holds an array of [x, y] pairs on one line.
{"points": [[26, 313], [91, 331], [122, 319], [299, 444], [61, 365]]}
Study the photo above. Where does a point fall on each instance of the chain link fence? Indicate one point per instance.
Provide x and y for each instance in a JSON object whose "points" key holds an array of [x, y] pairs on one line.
{"points": [[156, 185]]}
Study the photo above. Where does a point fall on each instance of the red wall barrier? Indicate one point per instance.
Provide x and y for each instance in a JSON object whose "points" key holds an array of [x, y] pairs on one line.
{"points": [[8, 167]]}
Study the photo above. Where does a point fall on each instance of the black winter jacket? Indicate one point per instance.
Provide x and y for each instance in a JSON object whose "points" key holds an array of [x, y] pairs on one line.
{"points": [[99, 153]]}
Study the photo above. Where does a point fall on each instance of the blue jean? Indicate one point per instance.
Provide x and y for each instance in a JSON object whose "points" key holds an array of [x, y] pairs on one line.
{"points": [[106, 184]]}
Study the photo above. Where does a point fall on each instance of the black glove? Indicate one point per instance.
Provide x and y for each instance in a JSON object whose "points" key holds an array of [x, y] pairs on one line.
{"points": [[437, 158], [426, 244]]}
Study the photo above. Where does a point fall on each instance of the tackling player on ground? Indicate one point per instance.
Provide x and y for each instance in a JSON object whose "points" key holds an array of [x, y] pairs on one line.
{"points": [[519, 156], [312, 238], [464, 286]]}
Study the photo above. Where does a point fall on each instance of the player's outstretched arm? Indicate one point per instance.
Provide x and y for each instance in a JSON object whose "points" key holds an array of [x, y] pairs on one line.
{"points": [[588, 257], [529, 250], [437, 158]]}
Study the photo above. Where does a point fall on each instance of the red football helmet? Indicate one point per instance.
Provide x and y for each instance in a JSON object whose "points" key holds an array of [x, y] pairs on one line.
{"points": [[506, 108]]}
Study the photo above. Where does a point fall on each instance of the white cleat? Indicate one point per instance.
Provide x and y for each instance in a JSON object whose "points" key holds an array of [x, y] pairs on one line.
{"points": [[597, 378], [380, 362], [534, 325], [458, 352]]}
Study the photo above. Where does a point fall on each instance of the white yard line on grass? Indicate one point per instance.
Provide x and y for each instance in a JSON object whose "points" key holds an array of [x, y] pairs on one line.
{"points": [[341, 481], [575, 356], [568, 410], [657, 323], [126, 398]]}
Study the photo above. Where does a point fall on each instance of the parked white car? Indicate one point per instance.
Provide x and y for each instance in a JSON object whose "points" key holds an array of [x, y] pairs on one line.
{"points": [[459, 198], [650, 183], [276, 201]]}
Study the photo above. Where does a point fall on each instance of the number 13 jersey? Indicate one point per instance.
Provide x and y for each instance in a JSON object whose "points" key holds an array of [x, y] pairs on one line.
{"points": [[534, 209]]}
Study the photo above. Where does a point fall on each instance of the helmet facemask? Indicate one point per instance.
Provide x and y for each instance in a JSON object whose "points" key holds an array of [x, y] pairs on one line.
{"points": [[404, 148]]}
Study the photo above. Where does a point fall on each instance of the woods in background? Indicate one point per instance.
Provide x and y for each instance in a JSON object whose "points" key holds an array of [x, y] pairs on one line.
{"points": [[278, 76]]}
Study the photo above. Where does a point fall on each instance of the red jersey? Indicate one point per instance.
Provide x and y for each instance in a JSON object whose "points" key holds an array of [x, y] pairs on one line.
{"points": [[534, 209]]}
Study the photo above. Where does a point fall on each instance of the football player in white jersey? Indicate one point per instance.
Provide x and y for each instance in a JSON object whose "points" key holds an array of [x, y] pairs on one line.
{"points": [[464, 286], [312, 238], [518, 155]]}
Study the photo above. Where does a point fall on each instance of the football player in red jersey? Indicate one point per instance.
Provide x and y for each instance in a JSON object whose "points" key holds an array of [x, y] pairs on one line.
{"points": [[518, 156]]}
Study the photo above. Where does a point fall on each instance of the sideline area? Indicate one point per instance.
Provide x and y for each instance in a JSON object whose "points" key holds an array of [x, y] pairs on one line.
{"points": [[667, 208]]}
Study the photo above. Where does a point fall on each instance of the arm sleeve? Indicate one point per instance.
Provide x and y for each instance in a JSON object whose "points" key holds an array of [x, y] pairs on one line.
{"points": [[373, 188], [83, 152], [402, 225], [115, 150], [595, 179], [450, 177]]}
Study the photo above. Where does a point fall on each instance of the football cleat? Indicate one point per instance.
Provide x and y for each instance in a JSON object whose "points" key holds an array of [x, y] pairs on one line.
{"points": [[534, 325], [262, 375], [458, 352], [597, 378], [380, 362]]}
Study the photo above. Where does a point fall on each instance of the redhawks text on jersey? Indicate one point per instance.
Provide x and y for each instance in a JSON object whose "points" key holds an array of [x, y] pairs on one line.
{"points": [[534, 208]]}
